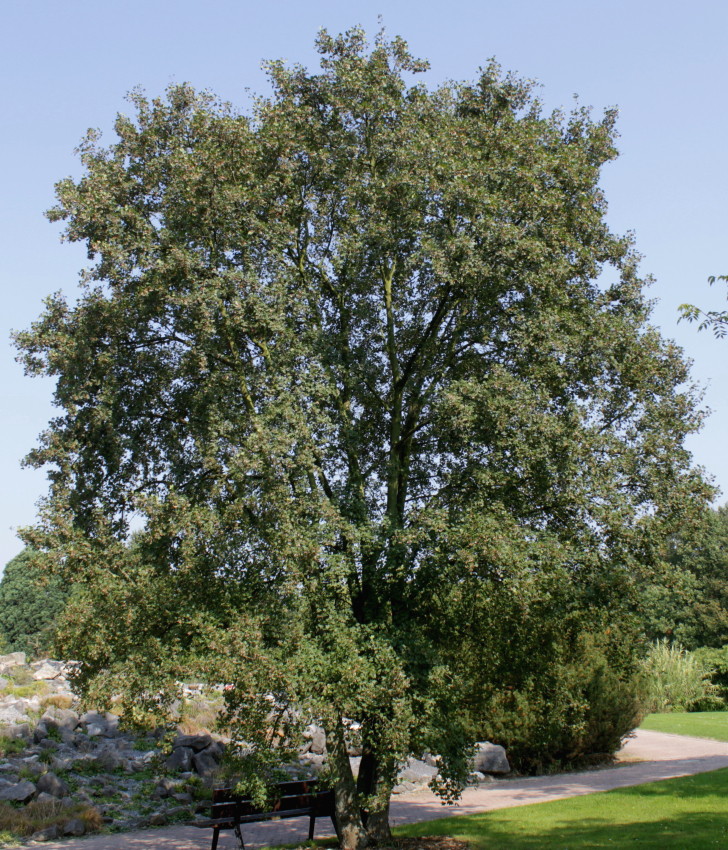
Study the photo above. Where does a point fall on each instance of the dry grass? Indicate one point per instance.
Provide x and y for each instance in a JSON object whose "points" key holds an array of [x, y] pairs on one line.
{"points": [[198, 716], [58, 700], [36, 816]]}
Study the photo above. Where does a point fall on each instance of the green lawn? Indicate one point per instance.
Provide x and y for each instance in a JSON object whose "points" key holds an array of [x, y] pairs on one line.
{"points": [[676, 813], [702, 724]]}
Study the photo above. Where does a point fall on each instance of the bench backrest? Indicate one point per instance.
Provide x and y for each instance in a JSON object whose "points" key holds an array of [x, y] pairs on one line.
{"points": [[288, 796]]}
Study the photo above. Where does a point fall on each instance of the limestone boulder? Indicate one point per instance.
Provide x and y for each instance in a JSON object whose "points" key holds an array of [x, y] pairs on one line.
{"points": [[490, 758]]}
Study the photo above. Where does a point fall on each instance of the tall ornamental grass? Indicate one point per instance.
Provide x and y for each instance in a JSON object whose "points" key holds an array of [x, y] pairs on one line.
{"points": [[676, 680]]}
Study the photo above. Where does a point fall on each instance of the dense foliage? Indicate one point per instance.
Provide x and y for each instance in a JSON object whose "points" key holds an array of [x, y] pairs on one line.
{"points": [[30, 603], [377, 384]]}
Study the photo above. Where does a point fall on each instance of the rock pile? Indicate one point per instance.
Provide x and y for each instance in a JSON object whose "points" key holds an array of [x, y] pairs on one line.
{"points": [[51, 752]]}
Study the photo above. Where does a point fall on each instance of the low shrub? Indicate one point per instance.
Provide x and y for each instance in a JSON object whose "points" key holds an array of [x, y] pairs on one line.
{"points": [[675, 679], [27, 691], [11, 746]]}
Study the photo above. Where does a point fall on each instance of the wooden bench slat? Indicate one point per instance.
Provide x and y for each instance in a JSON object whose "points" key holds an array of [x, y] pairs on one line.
{"points": [[292, 799]]}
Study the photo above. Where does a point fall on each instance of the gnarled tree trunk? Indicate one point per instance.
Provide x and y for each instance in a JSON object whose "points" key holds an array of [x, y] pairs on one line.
{"points": [[349, 825]]}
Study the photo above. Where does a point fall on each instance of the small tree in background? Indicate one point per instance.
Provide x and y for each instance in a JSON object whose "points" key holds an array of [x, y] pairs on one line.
{"points": [[690, 604], [30, 603], [347, 362]]}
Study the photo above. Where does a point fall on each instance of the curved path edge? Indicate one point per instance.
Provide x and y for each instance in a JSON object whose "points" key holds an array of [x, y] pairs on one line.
{"points": [[666, 757]]}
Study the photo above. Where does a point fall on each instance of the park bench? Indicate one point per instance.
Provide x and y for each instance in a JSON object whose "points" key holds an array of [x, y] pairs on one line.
{"points": [[291, 800]]}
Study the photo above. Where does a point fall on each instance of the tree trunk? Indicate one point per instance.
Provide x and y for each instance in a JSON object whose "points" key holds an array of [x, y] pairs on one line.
{"points": [[375, 784], [349, 826]]}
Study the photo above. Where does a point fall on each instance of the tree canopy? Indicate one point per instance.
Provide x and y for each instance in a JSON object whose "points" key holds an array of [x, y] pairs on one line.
{"points": [[375, 384]]}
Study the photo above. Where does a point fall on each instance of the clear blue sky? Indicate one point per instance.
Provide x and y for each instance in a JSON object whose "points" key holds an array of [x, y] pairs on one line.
{"points": [[67, 66]]}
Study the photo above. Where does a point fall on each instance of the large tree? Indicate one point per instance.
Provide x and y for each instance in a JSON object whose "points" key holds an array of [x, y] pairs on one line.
{"points": [[367, 372]]}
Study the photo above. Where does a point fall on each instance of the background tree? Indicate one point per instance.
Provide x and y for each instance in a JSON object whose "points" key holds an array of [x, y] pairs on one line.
{"points": [[692, 607], [30, 603], [347, 363]]}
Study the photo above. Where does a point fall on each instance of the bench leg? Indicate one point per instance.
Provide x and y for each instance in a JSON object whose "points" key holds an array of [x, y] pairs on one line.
{"points": [[311, 827], [239, 836], [215, 836]]}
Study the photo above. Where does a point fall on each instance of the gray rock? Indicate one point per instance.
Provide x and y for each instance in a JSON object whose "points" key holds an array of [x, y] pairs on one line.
{"points": [[317, 736], [51, 784], [47, 834], [180, 759], [490, 758], [3, 683], [40, 732], [16, 731], [44, 797], [177, 810], [164, 788], [204, 764], [11, 716], [75, 826], [109, 759], [216, 750], [404, 788], [158, 819], [112, 721], [96, 730], [48, 670], [21, 792], [12, 659], [416, 771], [312, 760], [63, 719], [194, 742]]}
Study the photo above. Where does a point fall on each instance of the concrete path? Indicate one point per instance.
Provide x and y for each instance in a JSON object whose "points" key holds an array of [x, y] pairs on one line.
{"points": [[647, 757]]}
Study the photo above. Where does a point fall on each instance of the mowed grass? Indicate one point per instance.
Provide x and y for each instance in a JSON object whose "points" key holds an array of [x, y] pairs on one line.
{"points": [[701, 724], [676, 813]]}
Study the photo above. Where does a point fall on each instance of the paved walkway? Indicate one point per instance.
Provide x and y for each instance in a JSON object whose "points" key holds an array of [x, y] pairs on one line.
{"points": [[647, 757]]}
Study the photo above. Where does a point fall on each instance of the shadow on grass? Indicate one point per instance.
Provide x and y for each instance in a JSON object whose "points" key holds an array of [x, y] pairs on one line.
{"points": [[690, 812], [696, 830]]}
